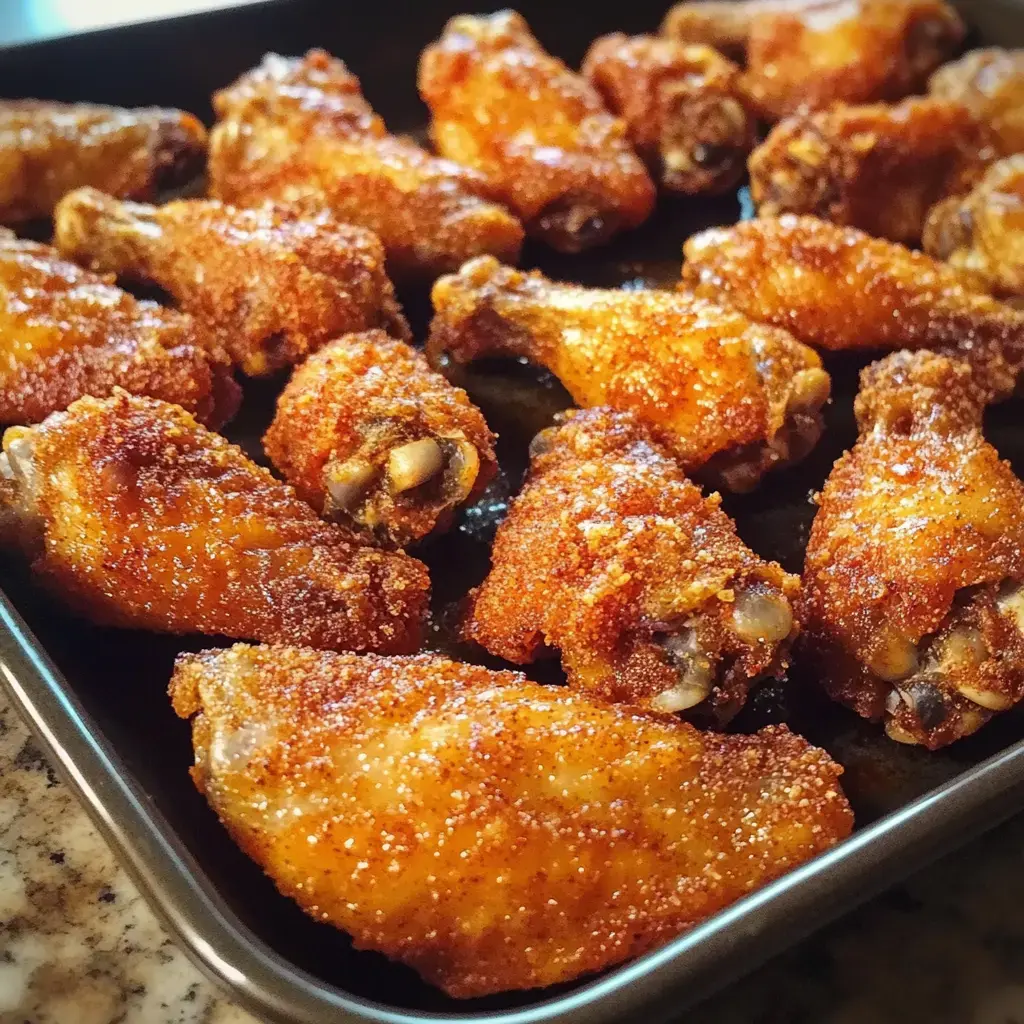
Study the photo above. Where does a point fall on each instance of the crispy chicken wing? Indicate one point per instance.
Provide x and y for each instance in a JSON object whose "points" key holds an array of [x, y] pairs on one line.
{"points": [[725, 24], [538, 132], [47, 149], [682, 107], [274, 282], [299, 129], [733, 398], [367, 433], [879, 168], [137, 516], [837, 288], [65, 333], [914, 580], [491, 833], [612, 557]]}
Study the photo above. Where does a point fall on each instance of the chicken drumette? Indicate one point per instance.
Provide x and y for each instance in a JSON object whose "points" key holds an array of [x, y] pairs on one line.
{"points": [[135, 515]]}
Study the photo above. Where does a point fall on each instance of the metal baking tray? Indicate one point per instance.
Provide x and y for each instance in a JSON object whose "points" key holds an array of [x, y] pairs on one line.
{"points": [[96, 700]]}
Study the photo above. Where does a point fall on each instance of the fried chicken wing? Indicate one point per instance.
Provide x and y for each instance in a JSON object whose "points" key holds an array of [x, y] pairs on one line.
{"points": [[733, 398], [682, 106], [136, 516], [837, 288], [612, 557], [914, 579], [879, 168], [47, 149], [537, 131], [65, 333], [274, 282], [299, 129], [491, 833], [367, 433]]}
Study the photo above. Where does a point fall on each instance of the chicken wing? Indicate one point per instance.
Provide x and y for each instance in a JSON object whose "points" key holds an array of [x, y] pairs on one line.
{"points": [[47, 149], [273, 283], [136, 516], [914, 580], [538, 132], [612, 557], [366, 432], [65, 333], [491, 833], [837, 288], [682, 107], [879, 168], [299, 129], [725, 25], [734, 399]]}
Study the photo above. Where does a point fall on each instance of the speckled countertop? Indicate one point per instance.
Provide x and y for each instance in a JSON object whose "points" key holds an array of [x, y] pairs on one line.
{"points": [[79, 946]]}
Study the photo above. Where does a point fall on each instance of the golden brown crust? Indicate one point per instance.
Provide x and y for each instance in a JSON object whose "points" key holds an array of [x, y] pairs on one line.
{"points": [[350, 433], [136, 516], [610, 555], [491, 833], [65, 333], [537, 131], [299, 129], [878, 167], [274, 282], [682, 106]]}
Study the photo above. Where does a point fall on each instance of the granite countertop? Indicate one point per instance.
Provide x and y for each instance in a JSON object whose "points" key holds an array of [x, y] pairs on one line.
{"points": [[79, 946]]}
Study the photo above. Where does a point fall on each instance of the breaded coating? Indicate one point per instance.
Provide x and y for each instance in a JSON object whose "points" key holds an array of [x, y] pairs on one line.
{"points": [[682, 106], [299, 129], [611, 556], [837, 288], [273, 283], [733, 399], [914, 581], [982, 233], [370, 436], [537, 131], [879, 168], [491, 833], [47, 149], [134, 515], [990, 83], [65, 333]]}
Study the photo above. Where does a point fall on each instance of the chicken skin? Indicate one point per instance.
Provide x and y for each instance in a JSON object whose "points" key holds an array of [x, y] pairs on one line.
{"points": [[65, 333], [682, 107], [491, 833], [733, 399], [878, 168], [914, 579], [611, 556], [299, 129], [537, 131], [136, 516], [369, 435], [837, 288], [47, 149], [726, 25], [273, 283]]}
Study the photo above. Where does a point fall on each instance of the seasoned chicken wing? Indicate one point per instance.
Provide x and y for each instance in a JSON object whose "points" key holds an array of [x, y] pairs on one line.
{"points": [[136, 516], [837, 288], [537, 131], [273, 283], [733, 398], [47, 149], [65, 333], [682, 106], [367, 433], [879, 168], [491, 833], [725, 24], [299, 129], [612, 557], [914, 580]]}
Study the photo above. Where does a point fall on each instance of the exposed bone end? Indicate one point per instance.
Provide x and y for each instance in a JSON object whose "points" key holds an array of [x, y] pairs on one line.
{"points": [[809, 390], [696, 674], [412, 464], [347, 482], [990, 700], [1011, 603], [896, 732], [704, 141], [759, 617], [19, 457], [572, 224], [896, 660], [462, 470]]}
